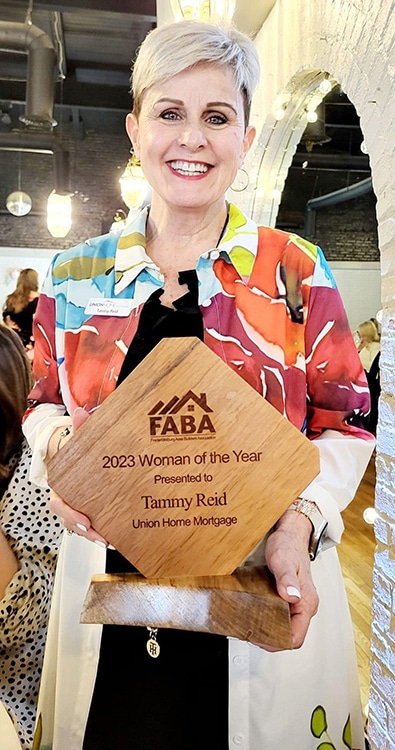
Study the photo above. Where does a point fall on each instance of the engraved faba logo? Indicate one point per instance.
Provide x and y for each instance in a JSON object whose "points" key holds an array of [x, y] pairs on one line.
{"points": [[189, 416]]}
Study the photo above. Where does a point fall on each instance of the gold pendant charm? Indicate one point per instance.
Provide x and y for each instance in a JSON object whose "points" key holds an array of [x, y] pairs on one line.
{"points": [[153, 647]]}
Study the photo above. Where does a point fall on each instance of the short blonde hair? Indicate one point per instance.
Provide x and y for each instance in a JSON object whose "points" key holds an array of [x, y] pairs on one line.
{"points": [[175, 47], [368, 330]]}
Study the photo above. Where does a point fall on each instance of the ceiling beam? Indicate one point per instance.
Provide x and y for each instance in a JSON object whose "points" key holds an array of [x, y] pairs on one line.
{"points": [[135, 7]]}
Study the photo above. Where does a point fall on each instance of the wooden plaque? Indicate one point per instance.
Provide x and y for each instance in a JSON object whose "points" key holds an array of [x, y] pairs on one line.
{"points": [[185, 467], [244, 605]]}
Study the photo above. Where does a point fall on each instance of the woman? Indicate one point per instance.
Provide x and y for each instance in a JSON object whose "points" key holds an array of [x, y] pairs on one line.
{"points": [[369, 343], [266, 303], [29, 541], [21, 304]]}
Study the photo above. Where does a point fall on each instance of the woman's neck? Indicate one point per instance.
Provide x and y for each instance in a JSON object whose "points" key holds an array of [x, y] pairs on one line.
{"points": [[179, 237]]}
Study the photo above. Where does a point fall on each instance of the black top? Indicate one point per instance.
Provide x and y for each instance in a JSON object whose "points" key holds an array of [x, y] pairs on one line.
{"points": [[24, 320], [178, 701]]}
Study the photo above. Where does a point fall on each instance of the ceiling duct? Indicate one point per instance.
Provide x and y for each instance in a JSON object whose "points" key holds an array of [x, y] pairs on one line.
{"points": [[40, 82], [44, 144], [330, 199]]}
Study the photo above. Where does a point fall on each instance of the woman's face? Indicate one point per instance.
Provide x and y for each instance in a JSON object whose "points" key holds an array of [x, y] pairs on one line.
{"points": [[190, 136]]}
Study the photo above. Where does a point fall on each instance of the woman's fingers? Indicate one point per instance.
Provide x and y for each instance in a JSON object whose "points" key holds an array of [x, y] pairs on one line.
{"points": [[74, 521], [287, 558]]}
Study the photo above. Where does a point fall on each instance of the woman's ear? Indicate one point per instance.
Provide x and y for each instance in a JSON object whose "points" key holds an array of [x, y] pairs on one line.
{"points": [[248, 140], [132, 130]]}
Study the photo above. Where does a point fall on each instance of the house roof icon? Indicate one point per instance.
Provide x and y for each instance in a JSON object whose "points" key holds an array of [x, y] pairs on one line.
{"points": [[176, 404]]}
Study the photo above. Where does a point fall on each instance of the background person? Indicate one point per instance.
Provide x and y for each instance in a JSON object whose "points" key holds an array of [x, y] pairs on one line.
{"points": [[21, 304], [369, 343], [29, 541], [266, 303]]}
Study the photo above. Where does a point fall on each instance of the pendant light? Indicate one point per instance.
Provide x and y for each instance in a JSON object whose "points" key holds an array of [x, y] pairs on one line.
{"points": [[134, 186], [202, 10], [19, 203], [59, 218]]}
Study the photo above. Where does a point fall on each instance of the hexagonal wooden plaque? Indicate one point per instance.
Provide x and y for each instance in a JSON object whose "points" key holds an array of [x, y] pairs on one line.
{"points": [[185, 467]]}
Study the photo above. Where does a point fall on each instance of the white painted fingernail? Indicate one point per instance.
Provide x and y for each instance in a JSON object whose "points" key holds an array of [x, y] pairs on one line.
{"points": [[110, 546], [81, 527], [100, 544], [293, 591]]}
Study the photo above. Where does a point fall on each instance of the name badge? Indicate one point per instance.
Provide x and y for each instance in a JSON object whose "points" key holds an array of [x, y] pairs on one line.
{"points": [[118, 308]]}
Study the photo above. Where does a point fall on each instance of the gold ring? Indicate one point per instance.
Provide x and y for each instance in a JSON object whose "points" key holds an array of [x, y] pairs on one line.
{"points": [[70, 531]]}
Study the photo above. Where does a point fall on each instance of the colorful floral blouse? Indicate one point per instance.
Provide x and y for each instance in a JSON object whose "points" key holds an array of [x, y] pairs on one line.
{"points": [[270, 310]]}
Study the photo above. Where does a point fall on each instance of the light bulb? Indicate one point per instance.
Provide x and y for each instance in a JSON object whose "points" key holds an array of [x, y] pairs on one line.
{"points": [[59, 214], [311, 115], [370, 515], [325, 86], [202, 9], [279, 113], [19, 203]]}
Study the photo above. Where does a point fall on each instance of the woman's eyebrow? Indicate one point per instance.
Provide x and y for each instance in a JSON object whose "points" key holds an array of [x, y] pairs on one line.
{"points": [[209, 105], [165, 99]]}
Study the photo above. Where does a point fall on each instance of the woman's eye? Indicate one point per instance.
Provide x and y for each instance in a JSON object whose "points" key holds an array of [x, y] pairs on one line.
{"points": [[169, 115], [217, 119]]}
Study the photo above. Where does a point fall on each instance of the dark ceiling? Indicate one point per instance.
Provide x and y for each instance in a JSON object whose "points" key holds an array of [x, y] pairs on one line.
{"points": [[95, 42]]}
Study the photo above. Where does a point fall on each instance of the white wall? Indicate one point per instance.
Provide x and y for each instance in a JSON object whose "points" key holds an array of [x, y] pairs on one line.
{"points": [[360, 287]]}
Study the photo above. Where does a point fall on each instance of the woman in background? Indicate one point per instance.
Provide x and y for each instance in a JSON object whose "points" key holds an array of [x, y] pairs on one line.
{"points": [[29, 541], [369, 343], [21, 304]]}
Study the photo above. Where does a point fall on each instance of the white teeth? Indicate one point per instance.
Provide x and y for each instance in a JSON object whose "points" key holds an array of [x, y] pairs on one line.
{"points": [[187, 167]]}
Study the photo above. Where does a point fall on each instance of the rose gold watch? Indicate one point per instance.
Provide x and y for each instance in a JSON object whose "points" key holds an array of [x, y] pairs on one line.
{"points": [[318, 522]]}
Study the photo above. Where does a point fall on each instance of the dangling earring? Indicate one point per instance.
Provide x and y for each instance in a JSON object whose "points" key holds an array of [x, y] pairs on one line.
{"points": [[241, 181]]}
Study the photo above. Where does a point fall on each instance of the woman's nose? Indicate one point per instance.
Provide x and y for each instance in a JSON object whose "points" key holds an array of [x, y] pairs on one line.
{"points": [[192, 136]]}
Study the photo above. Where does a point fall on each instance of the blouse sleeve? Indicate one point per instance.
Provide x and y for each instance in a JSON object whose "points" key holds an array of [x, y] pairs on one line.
{"points": [[34, 535], [47, 411], [338, 402], [25, 605]]}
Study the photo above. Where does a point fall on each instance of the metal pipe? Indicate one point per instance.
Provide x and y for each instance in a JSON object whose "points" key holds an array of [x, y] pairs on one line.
{"points": [[337, 196], [44, 144], [40, 83]]}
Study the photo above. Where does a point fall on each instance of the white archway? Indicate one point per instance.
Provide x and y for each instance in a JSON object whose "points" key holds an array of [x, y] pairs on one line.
{"points": [[354, 40]]}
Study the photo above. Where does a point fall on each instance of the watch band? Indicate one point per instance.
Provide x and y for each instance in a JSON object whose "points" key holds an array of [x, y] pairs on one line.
{"points": [[319, 524]]}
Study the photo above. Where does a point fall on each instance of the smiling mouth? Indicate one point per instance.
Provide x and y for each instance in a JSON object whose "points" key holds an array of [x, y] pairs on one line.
{"points": [[187, 168]]}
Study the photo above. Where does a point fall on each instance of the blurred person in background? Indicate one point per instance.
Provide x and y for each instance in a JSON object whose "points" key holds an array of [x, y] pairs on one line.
{"points": [[20, 306], [368, 343]]}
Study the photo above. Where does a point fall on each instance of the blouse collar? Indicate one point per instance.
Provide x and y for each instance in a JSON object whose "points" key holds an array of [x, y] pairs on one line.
{"points": [[238, 244]]}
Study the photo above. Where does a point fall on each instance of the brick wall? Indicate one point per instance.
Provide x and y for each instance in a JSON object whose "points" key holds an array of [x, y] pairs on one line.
{"points": [[96, 163]]}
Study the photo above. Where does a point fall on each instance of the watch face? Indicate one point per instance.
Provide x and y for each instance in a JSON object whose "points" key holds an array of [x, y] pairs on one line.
{"points": [[317, 536]]}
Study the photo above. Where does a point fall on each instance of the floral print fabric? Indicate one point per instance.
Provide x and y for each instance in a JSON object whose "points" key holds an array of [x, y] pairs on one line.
{"points": [[270, 309]]}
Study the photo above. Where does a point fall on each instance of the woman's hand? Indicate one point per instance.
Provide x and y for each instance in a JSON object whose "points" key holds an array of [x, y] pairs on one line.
{"points": [[288, 559], [73, 520]]}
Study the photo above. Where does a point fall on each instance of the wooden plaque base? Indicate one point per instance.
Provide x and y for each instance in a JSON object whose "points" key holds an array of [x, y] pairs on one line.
{"points": [[244, 605]]}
